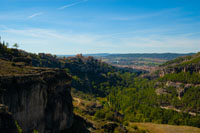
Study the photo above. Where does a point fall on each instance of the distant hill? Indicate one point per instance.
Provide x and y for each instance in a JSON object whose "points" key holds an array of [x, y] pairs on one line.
{"points": [[139, 61], [94, 55], [166, 56]]}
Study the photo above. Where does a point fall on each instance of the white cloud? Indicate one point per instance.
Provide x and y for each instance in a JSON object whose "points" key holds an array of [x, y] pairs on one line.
{"points": [[161, 41], [139, 16], [54, 41], [46, 34], [35, 15], [73, 4]]}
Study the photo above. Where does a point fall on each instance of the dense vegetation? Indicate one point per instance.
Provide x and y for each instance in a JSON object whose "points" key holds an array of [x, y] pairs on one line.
{"points": [[96, 77], [183, 77], [138, 101], [140, 104]]}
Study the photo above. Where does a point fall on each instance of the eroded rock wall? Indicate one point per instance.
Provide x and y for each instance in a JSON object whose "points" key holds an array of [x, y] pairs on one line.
{"points": [[40, 101]]}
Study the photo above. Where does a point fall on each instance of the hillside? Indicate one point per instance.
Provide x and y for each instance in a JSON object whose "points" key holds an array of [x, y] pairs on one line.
{"points": [[182, 64], [180, 79], [155, 100], [89, 74], [111, 121], [170, 98], [94, 76]]}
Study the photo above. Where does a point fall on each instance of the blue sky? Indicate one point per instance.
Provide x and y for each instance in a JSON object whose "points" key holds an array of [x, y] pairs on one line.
{"points": [[101, 26]]}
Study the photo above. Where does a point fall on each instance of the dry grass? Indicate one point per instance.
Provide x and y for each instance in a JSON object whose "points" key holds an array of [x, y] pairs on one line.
{"points": [[162, 128], [10, 68]]}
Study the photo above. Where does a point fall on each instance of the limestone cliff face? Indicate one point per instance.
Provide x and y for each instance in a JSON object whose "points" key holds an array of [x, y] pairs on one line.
{"points": [[40, 101], [176, 69]]}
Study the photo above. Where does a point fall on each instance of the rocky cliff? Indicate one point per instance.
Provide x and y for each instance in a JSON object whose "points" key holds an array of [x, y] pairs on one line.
{"points": [[182, 64], [38, 98], [178, 84]]}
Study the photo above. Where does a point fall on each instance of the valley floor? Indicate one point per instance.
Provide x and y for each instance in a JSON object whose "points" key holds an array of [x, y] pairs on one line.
{"points": [[163, 128], [85, 107]]}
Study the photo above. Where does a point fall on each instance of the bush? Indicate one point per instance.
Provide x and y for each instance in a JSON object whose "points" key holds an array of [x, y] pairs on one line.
{"points": [[135, 127], [109, 116], [125, 123], [99, 114], [18, 127]]}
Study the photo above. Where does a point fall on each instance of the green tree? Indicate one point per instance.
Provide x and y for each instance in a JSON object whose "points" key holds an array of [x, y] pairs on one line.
{"points": [[16, 45], [7, 44]]}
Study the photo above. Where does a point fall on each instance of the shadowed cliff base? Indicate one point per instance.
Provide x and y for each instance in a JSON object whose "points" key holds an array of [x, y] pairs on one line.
{"points": [[80, 125]]}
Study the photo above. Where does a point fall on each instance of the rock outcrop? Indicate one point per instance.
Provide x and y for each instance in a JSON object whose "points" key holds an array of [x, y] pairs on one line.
{"points": [[80, 125], [40, 101]]}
